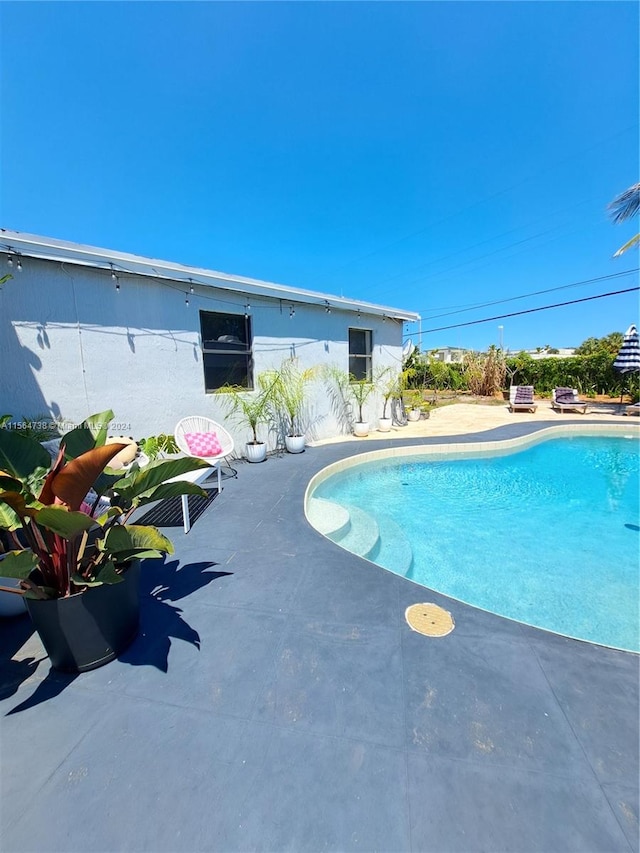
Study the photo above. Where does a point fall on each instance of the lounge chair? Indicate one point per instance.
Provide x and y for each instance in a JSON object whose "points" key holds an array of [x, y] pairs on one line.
{"points": [[634, 409], [204, 439], [567, 400], [521, 398]]}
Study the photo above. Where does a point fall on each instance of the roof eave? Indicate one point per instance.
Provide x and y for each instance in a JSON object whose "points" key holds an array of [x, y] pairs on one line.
{"points": [[50, 249]]}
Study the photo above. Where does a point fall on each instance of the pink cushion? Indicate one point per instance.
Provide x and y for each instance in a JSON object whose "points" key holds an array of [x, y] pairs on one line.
{"points": [[203, 444]]}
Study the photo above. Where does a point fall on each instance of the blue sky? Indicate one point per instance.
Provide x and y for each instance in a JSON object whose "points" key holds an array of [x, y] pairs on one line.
{"points": [[429, 156]]}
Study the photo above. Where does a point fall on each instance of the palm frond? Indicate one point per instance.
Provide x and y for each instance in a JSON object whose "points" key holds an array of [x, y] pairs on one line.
{"points": [[628, 245], [625, 205]]}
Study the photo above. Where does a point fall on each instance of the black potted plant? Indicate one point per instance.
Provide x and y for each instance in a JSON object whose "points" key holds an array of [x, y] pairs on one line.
{"points": [[71, 546]]}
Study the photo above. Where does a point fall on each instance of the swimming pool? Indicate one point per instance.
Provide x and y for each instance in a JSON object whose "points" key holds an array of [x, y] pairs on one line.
{"points": [[547, 535]]}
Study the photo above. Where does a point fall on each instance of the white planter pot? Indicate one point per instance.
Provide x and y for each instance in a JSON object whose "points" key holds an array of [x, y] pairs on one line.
{"points": [[384, 424], [294, 443], [361, 428], [256, 452], [414, 414]]}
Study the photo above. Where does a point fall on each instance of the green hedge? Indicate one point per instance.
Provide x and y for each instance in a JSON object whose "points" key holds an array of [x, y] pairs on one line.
{"points": [[590, 374]]}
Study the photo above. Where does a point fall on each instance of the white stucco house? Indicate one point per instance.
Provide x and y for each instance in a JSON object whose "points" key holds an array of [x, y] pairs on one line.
{"points": [[544, 352], [85, 329], [449, 355]]}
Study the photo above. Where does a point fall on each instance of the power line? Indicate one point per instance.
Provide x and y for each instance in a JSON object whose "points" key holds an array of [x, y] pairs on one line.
{"points": [[527, 311], [526, 295]]}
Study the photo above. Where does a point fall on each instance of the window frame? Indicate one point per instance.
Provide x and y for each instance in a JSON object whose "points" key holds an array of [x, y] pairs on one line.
{"points": [[366, 357], [242, 350]]}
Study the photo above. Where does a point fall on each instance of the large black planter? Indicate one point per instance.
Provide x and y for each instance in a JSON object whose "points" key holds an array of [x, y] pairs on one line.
{"points": [[89, 629]]}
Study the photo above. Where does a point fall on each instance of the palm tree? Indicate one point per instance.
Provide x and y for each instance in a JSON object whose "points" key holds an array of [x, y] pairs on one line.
{"points": [[623, 207]]}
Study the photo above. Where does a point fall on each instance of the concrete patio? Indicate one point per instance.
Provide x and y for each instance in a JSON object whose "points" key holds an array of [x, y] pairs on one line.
{"points": [[276, 700]]}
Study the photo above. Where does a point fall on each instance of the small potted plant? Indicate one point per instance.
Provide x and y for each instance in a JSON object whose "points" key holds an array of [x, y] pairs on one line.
{"points": [[361, 390], [387, 383], [251, 408], [288, 397], [414, 403], [77, 558]]}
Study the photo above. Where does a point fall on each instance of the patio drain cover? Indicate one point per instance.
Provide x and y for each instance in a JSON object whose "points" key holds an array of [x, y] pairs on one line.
{"points": [[429, 619]]}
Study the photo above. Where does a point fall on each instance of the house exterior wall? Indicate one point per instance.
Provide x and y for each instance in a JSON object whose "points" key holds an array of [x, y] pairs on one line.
{"points": [[71, 345]]}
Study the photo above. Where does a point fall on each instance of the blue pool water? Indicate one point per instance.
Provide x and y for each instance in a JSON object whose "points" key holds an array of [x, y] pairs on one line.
{"points": [[548, 536]]}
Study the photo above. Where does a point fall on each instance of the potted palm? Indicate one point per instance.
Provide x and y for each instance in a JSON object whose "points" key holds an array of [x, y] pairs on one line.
{"points": [[387, 383], [251, 408], [288, 400], [414, 403], [361, 390], [71, 547]]}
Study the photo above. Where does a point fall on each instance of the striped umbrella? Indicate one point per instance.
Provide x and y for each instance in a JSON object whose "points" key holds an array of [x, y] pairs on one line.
{"points": [[628, 358]]}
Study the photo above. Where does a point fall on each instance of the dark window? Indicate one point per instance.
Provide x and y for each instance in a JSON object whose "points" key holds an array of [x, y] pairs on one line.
{"points": [[226, 350], [360, 353]]}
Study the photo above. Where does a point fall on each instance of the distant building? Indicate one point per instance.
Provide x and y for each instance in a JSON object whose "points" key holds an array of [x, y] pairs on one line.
{"points": [[449, 355], [561, 352]]}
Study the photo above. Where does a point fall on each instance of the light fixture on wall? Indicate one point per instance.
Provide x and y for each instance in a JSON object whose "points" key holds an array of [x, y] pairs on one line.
{"points": [[327, 307], [186, 299], [10, 258], [190, 285], [117, 281], [247, 308], [19, 263], [384, 318], [114, 277], [358, 315], [292, 312]]}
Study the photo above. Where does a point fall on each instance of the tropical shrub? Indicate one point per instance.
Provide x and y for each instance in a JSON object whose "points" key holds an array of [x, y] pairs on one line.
{"points": [[64, 537], [485, 373], [158, 445], [40, 427], [590, 373]]}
